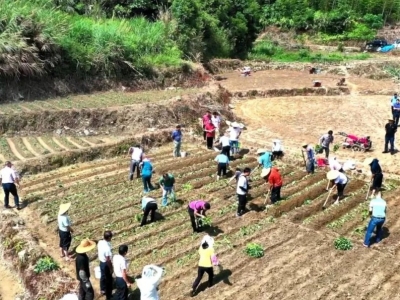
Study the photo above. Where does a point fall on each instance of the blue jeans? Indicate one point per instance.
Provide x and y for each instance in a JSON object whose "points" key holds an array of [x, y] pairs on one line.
{"points": [[166, 191], [389, 139], [147, 187], [374, 222], [10, 188], [234, 146]]}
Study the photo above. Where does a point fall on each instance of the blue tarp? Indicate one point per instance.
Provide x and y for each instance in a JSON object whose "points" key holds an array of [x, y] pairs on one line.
{"points": [[387, 48]]}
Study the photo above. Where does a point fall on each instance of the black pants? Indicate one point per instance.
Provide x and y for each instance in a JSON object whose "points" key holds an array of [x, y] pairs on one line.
{"points": [[121, 292], [277, 154], [275, 194], [134, 166], [106, 280], [150, 208], [210, 141], [340, 189], [84, 292], [222, 169], [377, 182], [204, 133], [396, 118], [192, 219], [226, 150], [10, 188], [200, 273], [326, 149], [242, 201], [65, 239]]}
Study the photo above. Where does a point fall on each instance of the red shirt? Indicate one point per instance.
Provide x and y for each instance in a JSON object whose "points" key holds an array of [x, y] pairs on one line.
{"points": [[210, 126], [206, 119], [275, 178]]}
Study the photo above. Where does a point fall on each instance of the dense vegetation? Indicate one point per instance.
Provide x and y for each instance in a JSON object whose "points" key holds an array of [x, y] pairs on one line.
{"points": [[116, 37]]}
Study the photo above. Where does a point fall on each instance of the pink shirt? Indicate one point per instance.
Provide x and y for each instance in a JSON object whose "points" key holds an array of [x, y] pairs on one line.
{"points": [[206, 119], [197, 205]]}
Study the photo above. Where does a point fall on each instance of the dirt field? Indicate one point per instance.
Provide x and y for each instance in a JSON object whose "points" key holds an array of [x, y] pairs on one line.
{"points": [[300, 261]]}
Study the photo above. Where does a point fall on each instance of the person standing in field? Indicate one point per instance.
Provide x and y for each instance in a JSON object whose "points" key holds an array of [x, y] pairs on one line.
{"points": [[149, 206], [136, 154], [377, 175], [216, 121], [64, 230], [204, 121], [234, 134], [223, 164], [177, 138], [207, 260], [147, 171], [149, 282], [377, 211], [325, 142], [210, 135], [310, 154], [8, 179], [277, 149], [86, 291], [339, 181], [274, 178], [264, 160], [225, 145], [122, 281], [242, 191], [167, 182], [393, 101], [106, 268], [197, 209], [391, 129], [335, 165]]}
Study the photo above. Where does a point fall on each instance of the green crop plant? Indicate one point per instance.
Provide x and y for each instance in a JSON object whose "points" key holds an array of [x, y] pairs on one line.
{"points": [[342, 243], [307, 202], [186, 187], [336, 147], [254, 250], [138, 217], [206, 221], [45, 264]]}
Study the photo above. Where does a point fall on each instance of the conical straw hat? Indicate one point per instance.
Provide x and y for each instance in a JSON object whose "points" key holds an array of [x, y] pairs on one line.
{"points": [[64, 208]]}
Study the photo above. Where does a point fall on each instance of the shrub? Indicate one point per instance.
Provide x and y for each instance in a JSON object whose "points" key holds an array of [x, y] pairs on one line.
{"points": [[254, 250], [45, 264], [343, 243]]}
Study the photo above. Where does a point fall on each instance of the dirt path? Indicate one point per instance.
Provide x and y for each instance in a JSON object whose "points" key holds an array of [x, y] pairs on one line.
{"points": [[88, 142], [59, 144], [73, 143], [29, 147], [10, 286], [44, 145], [14, 149]]}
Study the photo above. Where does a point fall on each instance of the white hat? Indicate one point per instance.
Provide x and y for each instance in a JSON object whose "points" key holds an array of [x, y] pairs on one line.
{"points": [[235, 124], [331, 175], [207, 239], [276, 141], [259, 151], [368, 160], [240, 125], [265, 172]]}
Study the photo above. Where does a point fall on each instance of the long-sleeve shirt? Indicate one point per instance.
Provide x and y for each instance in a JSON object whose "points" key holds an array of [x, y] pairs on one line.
{"points": [[169, 182], [148, 284], [275, 178], [390, 129], [177, 135], [310, 153], [375, 167]]}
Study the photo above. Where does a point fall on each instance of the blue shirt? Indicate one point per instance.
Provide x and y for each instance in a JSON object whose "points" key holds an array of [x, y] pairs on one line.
{"points": [[396, 105], [222, 159], [177, 135], [394, 100], [310, 153], [147, 168], [265, 160], [378, 208], [146, 200]]}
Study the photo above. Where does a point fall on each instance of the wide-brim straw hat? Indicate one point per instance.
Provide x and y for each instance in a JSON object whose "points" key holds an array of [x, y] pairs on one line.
{"points": [[390, 120], [304, 144], [64, 208], [260, 151], [265, 172], [368, 160], [86, 245], [331, 175]]}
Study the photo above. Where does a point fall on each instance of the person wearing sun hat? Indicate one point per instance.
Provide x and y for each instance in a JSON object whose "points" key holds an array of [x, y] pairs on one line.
{"points": [[274, 178], [339, 180], [264, 160], [377, 175], [64, 230], [310, 164], [82, 269], [235, 130], [390, 129]]}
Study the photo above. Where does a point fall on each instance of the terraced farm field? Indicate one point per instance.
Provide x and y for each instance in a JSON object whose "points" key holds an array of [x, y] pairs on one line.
{"points": [[300, 261]]}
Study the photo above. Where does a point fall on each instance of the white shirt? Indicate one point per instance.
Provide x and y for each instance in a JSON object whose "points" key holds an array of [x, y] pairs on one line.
{"points": [[224, 140], [148, 284], [277, 146], [8, 175], [119, 264], [349, 165], [63, 222], [137, 154], [216, 121], [242, 182], [234, 133], [342, 179], [334, 164], [104, 250]]}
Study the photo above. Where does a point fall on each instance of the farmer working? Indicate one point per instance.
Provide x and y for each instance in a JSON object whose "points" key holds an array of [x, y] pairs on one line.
{"points": [[86, 291], [391, 129], [149, 282], [216, 121], [147, 172], [207, 260], [334, 164], [149, 206], [242, 191], [310, 154], [64, 230], [339, 181], [377, 176], [177, 138], [136, 154], [274, 178], [264, 160], [122, 281], [167, 182], [377, 210], [226, 148], [277, 149], [197, 209], [223, 164], [325, 141], [210, 135], [8, 179], [235, 131], [106, 268], [204, 121]]}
